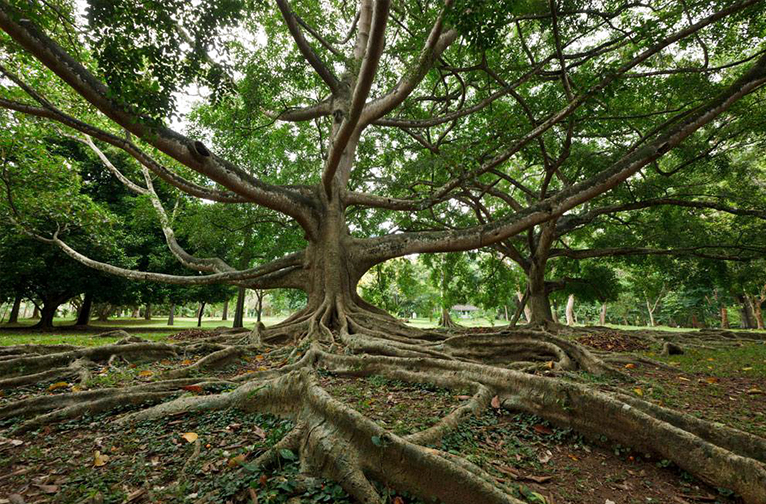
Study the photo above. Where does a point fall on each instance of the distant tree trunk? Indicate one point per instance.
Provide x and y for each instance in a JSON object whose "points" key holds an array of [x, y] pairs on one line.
{"points": [[505, 309], [15, 310], [48, 312], [602, 317], [755, 308], [225, 315], [136, 312], [259, 293], [445, 320], [570, 310], [200, 313], [527, 309], [239, 310], [172, 314], [148, 312], [36, 313], [747, 321], [104, 312], [83, 316], [695, 321], [724, 317]]}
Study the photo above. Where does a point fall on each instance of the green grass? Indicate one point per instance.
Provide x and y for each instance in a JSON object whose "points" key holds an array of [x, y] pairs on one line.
{"points": [[748, 360], [180, 323]]}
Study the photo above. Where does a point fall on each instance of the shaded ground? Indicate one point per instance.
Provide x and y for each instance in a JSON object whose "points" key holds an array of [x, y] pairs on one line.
{"points": [[206, 458]]}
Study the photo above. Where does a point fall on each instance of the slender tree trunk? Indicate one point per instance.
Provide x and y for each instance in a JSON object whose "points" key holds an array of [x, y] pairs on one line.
{"points": [[239, 310], [225, 315], [259, 305], [724, 317], [200, 313], [135, 313], [650, 310], [758, 312], [695, 321], [83, 316], [36, 313], [527, 309], [748, 321], [148, 312], [570, 310], [602, 317], [14, 318], [505, 309], [172, 314]]}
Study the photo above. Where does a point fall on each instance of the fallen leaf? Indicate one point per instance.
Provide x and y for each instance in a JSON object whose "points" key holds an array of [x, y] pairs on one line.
{"points": [[638, 392], [236, 461], [99, 459], [712, 379], [710, 359], [197, 389], [495, 402], [609, 501], [186, 362], [17, 442], [544, 458], [136, 495], [683, 379], [145, 373], [572, 457], [747, 369], [463, 397], [630, 366], [259, 357], [398, 500], [263, 480], [49, 489], [549, 364], [259, 432], [190, 437], [755, 390], [58, 385], [542, 429], [536, 479]]}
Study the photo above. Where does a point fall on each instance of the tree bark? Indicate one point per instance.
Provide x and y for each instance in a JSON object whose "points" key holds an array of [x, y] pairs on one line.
{"points": [[36, 313], [136, 312], [724, 317], [239, 310], [172, 314], [650, 310], [570, 310], [148, 312], [104, 312], [14, 318], [225, 315], [757, 311], [747, 316], [527, 310], [200, 313], [259, 293], [602, 317], [83, 316]]}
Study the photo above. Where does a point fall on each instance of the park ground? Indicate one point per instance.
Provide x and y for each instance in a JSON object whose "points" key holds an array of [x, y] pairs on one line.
{"points": [[206, 458]]}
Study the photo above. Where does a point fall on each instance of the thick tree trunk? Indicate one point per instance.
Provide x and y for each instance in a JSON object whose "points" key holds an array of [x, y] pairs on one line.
{"points": [[445, 319], [104, 312], [602, 317], [747, 317], [570, 310], [83, 316], [148, 312], [225, 315], [239, 310], [14, 318], [47, 314], [724, 317], [538, 303], [172, 314]]}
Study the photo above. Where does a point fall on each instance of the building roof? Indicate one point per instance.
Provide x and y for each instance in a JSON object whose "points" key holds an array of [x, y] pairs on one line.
{"points": [[464, 307]]}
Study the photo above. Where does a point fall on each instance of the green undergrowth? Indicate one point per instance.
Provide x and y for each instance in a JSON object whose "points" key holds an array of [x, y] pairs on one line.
{"points": [[747, 360]]}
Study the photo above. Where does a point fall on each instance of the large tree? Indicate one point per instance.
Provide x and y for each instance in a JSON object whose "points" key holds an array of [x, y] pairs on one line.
{"points": [[314, 114]]}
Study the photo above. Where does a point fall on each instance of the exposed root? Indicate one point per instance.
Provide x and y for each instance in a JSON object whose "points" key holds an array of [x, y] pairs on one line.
{"points": [[337, 442]]}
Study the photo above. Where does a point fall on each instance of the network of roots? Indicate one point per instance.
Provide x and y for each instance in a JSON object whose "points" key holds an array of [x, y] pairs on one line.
{"points": [[529, 370]]}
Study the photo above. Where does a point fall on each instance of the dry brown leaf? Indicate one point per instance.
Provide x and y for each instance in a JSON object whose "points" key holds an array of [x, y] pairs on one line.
{"points": [[145, 373], [236, 461], [495, 402], [542, 429], [712, 379], [630, 366], [197, 389], [186, 362], [755, 390], [638, 392], [49, 489], [259, 357], [536, 479], [398, 500], [190, 437]]}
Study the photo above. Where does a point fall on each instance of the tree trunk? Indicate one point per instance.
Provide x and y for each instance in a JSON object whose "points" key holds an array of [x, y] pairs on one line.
{"points": [[148, 312], [445, 320], [172, 314], [104, 312], [602, 317], [570, 310], [225, 315], [724, 317], [259, 305], [538, 309], [36, 313], [83, 316], [136, 312], [695, 321], [651, 313], [200, 313], [527, 309], [747, 317], [758, 312], [239, 310], [14, 319], [47, 314]]}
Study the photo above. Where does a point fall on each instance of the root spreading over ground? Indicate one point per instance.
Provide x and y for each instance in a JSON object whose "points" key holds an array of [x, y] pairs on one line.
{"points": [[524, 370]]}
